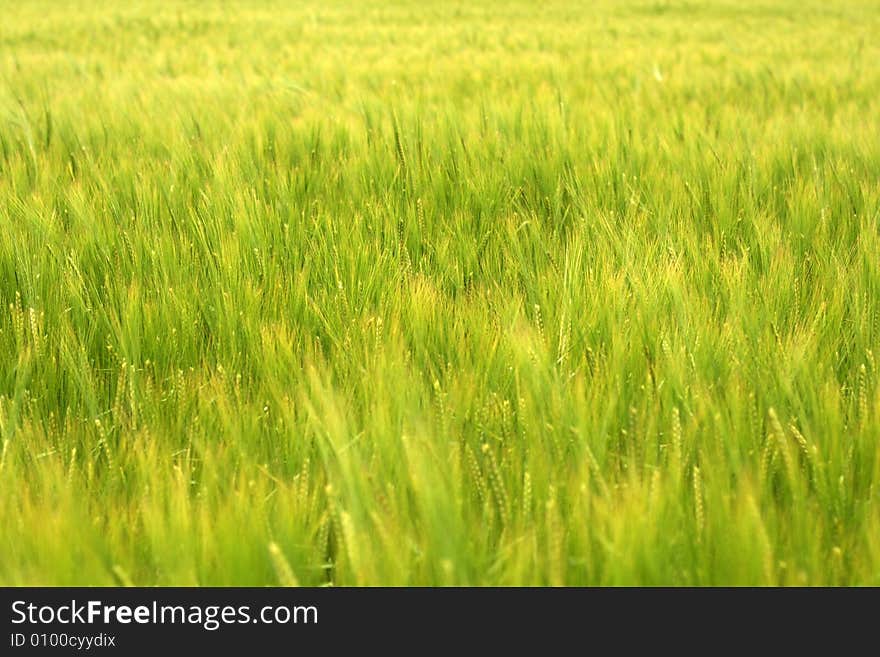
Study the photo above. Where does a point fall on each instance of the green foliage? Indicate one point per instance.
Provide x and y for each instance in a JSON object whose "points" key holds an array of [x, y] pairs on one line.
{"points": [[440, 293]]}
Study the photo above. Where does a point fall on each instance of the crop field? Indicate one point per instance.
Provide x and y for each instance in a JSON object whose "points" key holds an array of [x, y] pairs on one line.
{"points": [[440, 293]]}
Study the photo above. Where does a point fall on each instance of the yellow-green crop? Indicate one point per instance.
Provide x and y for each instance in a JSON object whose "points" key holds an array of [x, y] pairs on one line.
{"points": [[412, 292]]}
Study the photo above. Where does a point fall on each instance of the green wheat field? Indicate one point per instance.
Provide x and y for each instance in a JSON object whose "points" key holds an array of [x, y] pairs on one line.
{"points": [[440, 293]]}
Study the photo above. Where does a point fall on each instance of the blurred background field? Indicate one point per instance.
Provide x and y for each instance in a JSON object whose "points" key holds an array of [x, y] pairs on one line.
{"points": [[417, 293]]}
